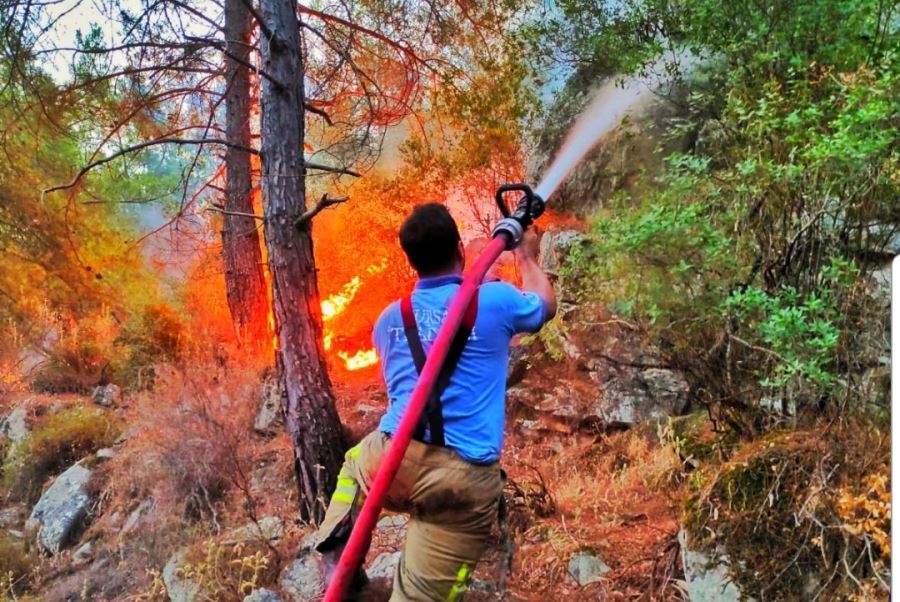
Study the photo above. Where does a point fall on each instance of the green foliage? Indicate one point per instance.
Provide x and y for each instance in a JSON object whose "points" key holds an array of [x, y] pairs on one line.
{"points": [[801, 332], [746, 262], [552, 338], [598, 38], [668, 259], [57, 441]]}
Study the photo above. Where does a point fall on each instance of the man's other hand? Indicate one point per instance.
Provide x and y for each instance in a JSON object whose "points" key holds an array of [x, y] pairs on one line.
{"points": [[530, 247]]}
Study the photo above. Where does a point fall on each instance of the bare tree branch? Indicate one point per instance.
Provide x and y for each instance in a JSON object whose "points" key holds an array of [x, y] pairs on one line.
{"points": [[263, 27], [318, 111], [339, 170], [197, 14], [324, 203], [141, 146], [222, 210]]}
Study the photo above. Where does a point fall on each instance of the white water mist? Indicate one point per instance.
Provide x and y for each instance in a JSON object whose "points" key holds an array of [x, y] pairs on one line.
{"points": [[612, 102]]}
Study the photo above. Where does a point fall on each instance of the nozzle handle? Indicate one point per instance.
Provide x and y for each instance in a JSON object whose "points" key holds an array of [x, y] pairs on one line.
{"points": [[529, 208]]}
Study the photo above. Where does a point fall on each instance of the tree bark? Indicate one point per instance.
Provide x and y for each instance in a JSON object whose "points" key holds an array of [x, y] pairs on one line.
{"points": [[310, 415], [244, 280]]}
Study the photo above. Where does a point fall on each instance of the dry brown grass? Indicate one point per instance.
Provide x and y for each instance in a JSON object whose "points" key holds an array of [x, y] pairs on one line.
{"points": [[614, 495], [192, 457]]}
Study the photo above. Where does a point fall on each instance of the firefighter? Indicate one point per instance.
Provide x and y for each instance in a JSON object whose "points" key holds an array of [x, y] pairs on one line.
{"points": [[450, 481]]}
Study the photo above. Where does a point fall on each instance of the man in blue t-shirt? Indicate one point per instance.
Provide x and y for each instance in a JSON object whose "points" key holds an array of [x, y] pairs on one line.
{"points": [[450, 481]]}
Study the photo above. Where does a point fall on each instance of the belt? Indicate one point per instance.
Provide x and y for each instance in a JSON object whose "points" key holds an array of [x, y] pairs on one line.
{"points": [[390, 435]]}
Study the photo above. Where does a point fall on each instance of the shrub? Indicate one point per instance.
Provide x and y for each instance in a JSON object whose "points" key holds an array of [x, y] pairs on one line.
{"points": [[57, 441], [229, 572], [80, 356], [16, 562], [799, 507], [98, 347], [193, 455]]}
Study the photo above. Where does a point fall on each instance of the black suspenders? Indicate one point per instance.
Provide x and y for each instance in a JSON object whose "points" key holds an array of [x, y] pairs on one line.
{"points": [[433, 415]]}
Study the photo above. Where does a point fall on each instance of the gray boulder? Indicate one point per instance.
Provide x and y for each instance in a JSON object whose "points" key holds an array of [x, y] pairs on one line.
{"points": [[83, 554], [262, 595], [268, 528], [269, 418], [303, 579], [107, 395], [555, 246], [61, 509], [392, 521], [633, 395], [179, 588], [705, 576], [15, 426], [586, 567], [384, 566]]}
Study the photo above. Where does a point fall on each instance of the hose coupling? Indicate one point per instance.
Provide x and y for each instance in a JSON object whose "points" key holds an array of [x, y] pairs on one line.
{"points": [[512, 229]]}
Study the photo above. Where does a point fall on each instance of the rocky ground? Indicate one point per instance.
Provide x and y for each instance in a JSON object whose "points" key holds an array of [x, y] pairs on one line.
{"points": [[590, 489]]}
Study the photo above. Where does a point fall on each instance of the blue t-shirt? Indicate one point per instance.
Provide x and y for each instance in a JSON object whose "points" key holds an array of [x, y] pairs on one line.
{"points": [[473, 403]]}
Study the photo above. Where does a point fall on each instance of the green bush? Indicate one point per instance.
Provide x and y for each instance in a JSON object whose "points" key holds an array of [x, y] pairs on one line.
{"points": [[57, 441]]}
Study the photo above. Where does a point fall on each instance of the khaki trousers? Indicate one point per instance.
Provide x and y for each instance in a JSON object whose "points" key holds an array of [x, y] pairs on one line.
{"points": [[452, 506]]}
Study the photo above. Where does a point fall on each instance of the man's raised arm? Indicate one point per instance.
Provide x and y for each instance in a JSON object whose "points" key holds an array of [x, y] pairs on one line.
{"points": [[533, 277]]}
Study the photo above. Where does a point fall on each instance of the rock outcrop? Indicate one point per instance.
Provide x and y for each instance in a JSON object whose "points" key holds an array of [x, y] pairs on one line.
{"points": [[303, 580], [15, 426], [610, 395], [179, 588], [107, 396], [61, 509], [632, 394], [384, 566], [587, 567], [705, 577]]}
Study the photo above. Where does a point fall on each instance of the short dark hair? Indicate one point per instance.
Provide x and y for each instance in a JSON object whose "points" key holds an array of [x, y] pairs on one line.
{"points": [[429, 238]]}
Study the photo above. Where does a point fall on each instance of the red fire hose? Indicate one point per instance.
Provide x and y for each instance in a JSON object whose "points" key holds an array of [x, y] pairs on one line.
{"points": [[509, 229]]}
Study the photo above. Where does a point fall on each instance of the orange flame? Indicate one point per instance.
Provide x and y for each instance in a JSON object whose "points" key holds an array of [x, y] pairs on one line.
{"points": [[335, 305], [272, 328], [359, 360]]}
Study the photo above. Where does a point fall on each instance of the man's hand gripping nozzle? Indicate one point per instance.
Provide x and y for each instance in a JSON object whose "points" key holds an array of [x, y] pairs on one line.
{"points": [[513, 225]]}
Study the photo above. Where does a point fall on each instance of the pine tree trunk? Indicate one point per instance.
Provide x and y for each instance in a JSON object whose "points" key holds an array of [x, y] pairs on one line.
{"points": [[244, 280], [310, 415]]}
